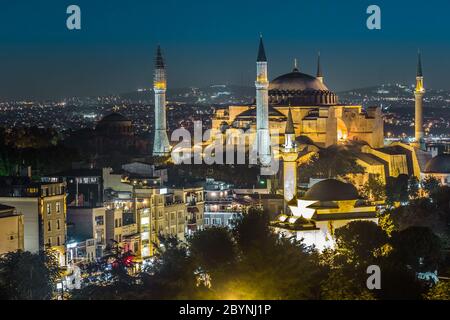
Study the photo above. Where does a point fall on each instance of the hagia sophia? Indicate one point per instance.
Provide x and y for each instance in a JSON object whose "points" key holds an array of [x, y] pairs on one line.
{"points": [[309, 117], [317, 115]]}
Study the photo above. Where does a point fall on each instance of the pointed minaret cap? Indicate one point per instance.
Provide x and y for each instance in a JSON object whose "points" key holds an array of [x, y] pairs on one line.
{"points": [[419, 65], [289, 123], [159, 62], [261, 51], [319, 67]]}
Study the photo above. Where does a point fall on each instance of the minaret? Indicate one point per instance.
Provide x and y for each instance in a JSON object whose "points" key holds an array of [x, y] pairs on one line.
{"points": [[161, 146], [319, 74], [290, 155], [262, 107], [418, 94]]}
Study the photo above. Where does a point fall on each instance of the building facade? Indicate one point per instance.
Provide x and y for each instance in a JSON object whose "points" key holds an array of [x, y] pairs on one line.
{"points": [[11, 230], [43, 206]]}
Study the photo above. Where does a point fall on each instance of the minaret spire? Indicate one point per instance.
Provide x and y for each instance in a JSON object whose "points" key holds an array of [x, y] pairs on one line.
{"points": [[289, 154], [319, 74], [161, 146], [289, 123], [418, 95], [159, 61], [261, 52], [419, 64], [262, 107]]}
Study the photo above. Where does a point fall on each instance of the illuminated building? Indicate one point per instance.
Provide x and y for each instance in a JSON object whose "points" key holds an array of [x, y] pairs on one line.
{"points": [[195, 202], [43, 206], [84, 186], [161, 146], [140, 209], [11, 230], [289, 153], [220, 207], [86, 233], [158, 213], [328, 205], [418, 95], [262, 107], [439, 168], [316, 112]]}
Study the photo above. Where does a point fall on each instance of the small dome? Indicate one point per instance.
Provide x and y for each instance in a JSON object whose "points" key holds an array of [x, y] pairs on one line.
{"points": [[332, 190], [297, 81], [439, 164]]}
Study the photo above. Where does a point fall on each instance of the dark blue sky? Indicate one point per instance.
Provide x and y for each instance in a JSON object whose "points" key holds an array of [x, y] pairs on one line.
{"points": [[207, 42]]}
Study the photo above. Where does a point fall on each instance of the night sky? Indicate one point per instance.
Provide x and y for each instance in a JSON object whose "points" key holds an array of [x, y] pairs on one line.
{"points": [[214, 42]]}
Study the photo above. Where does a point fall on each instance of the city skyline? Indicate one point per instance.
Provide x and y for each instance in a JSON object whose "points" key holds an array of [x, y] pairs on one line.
{"points": [[213, 43]]}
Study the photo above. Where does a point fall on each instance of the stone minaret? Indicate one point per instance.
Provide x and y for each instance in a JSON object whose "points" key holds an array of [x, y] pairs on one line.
{"points": [[161, 146], [262, 107], [289, 154], [418, 94], [319, 74]]}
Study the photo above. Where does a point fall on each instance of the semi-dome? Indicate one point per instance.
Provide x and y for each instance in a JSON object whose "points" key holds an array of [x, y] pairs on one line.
{"points": [[439, 164], [332, 190], [296, 80]]}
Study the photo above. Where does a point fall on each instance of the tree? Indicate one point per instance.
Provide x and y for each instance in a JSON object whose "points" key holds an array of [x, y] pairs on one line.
{"points": [[171, 275], [360, 241], [418, 248], [432, 212], [342, 284], [413, 187], [374, 189], [397, 189], [213, 252], [28, 276], [441, 291], [386, 222], [331, 162], [430, 184], [252, 231]]}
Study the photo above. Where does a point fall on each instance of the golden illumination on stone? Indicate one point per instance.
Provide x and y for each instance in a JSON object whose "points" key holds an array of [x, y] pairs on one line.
{"points": [[160, 85]]}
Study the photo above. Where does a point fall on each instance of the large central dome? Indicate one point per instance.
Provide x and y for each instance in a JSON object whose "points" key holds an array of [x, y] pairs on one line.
{"points": [[300, 89], [296, 80]]}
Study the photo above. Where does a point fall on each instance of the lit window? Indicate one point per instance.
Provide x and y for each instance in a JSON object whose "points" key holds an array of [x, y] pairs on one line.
{"points": [[48, 208], [58, 207]]}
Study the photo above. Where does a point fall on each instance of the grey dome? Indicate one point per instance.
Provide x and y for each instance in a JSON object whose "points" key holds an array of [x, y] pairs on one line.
{"points": [[113, 117], [297, 81], [439, 164], [332, 190]]}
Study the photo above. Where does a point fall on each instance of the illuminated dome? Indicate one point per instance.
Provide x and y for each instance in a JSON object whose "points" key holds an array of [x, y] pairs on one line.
{"points": [[296, 80], [332, 190], [301, 89], [439, 164]]}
